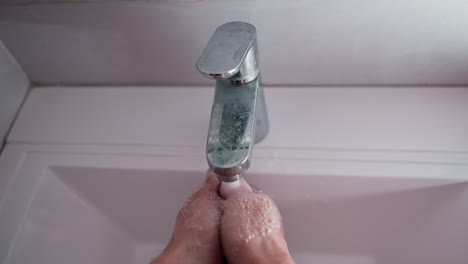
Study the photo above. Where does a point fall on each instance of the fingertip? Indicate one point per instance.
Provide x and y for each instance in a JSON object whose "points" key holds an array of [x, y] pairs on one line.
{"points": [[211, 181]]}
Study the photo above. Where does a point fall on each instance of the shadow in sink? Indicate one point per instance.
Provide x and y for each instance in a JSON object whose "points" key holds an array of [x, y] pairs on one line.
{"points": [[143, 202], [426, 225], [362, 220], [102, 215]]}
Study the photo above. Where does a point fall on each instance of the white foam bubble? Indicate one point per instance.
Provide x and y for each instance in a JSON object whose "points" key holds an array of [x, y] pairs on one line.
{"points": [[250, 216]]}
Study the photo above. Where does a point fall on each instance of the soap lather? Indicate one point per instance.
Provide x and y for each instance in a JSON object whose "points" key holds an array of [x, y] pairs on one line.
{"points": [[238, 116]]}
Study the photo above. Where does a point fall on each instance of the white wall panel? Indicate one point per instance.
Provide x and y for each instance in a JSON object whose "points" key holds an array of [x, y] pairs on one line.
{"points": [[311, 42]]}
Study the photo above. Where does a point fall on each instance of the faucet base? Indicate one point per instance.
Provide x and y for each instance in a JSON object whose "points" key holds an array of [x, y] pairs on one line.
{"points": [[228, 178]]}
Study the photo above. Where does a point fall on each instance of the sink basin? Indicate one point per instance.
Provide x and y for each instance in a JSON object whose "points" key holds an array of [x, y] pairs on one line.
{"points": [[78, 217], [97, 176], [114, 213]]}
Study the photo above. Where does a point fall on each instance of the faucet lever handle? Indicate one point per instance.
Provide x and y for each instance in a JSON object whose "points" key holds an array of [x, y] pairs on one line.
{"points": [[231, 53]]}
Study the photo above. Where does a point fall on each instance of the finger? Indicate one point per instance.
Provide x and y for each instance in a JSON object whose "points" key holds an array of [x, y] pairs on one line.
{"points": [[211, 182], [231, 189]]}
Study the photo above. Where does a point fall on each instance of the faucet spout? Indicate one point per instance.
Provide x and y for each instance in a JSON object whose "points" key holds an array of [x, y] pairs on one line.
{"points": [[238, 116]]}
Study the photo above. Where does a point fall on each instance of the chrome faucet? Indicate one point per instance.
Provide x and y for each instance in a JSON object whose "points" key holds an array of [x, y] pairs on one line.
{"points": [[238, 116]]}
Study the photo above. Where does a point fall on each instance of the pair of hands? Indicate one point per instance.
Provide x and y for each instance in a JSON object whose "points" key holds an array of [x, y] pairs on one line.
{"points": [[244, 227]]}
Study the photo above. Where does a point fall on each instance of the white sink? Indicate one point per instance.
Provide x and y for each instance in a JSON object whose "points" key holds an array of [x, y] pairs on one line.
{"points": [[113, 209], [98, 175], [89, 215]]}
